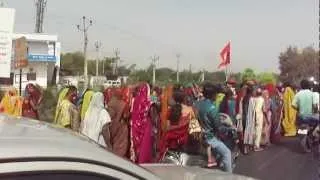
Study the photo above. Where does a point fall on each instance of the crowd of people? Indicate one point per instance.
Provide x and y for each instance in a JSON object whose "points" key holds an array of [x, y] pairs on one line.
{"points": [[141, 122]]}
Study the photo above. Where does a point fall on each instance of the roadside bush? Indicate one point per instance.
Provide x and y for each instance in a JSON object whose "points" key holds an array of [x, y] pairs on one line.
{"points": [[48, 105]]}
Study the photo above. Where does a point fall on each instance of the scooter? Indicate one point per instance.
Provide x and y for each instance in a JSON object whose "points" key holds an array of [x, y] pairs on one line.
{"points": [[309, 133], [183, 158]]}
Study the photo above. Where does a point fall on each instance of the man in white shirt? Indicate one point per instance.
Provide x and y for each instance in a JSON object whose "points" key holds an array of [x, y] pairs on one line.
{"points": [[316, 97]]}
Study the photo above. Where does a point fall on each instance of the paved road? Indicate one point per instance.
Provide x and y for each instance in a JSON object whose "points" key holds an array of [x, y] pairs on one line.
{"points": [[283, 161]]}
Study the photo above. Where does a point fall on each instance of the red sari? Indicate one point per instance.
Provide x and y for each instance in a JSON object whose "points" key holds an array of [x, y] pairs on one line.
{"points": [[31, 102], [141, 126], [176, 137]]}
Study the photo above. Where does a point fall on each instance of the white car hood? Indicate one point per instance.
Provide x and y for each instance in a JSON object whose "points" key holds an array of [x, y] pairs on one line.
{"points": [[174, 172]]}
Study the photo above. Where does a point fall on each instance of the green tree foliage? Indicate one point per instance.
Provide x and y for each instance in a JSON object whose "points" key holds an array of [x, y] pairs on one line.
{"points": [[72, 64], [248, 74], [216, 77], [266, 78], [296, 64]]}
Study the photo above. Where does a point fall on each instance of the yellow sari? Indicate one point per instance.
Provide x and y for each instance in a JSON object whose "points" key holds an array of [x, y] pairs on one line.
{"points": [[11, 103], [62, 95], [289, 120], [85, 104]]}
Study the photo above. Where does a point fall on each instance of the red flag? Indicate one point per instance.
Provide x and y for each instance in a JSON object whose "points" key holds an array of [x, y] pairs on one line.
{"points": [[225, 56]]}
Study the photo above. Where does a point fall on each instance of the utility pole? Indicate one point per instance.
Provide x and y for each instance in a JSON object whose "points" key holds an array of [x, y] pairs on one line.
{"points": [[190, 73], [178, 65], [97, 45], [203, 75], [154, 60], [40, 8], [115, 64], [84, 29]]}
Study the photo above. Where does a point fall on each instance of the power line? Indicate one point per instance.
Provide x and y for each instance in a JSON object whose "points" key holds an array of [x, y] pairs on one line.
{"points": [[84, 29], [121, 31]]}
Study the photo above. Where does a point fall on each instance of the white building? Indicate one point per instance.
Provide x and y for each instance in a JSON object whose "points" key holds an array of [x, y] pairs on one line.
{"points": [[43, 61]]}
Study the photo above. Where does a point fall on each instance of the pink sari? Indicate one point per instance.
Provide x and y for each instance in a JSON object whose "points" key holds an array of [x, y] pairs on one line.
{"points": [[141, 127]]}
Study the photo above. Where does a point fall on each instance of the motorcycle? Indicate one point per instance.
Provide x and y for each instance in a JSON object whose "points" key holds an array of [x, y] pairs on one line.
{"points": [[309, 133], [198, 157]]}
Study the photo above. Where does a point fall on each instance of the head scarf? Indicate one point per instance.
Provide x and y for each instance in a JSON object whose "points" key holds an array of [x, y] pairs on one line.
{"points": [[35, 94], [107, 95], [61, 97], [11, 103], [31, 97], [271, 89], [141, 126], [95, 118], [85, 103]]}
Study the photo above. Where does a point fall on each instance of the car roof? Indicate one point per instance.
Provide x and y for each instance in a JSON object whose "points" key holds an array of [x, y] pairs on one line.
{"points": [[26, 138]]}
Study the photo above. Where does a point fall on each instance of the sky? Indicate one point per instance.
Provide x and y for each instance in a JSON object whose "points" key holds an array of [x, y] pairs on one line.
{"points": [[258, 29]]}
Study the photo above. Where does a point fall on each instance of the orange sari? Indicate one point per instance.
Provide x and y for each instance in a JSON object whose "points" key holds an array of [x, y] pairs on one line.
{"points": [[165, 97]]}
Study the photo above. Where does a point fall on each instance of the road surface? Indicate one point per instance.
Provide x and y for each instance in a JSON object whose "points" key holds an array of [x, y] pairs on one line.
{"points": [[283, 161]]}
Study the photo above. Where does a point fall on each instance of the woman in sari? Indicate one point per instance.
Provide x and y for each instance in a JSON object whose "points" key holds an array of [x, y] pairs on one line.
{"points": [[228, 105], [249, 115], [31, 102], [67, 114], [277, 114], [289, 120], [176, 136], [119, 127], [11, 103], [85, 103], [61, 95], [107, 95], [165, 98], [267, 114], [258, 120], [97, 121], [141, 126]]}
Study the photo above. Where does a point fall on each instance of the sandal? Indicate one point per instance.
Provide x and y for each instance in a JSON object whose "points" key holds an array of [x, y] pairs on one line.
{"points": [[212, 164], [258, 149]]}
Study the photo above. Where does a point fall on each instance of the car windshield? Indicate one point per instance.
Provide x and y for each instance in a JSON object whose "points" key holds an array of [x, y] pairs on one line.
{"points": [[222, 86]]}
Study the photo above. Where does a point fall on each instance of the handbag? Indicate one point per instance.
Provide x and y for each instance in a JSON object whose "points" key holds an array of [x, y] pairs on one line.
{"points": [[194, 125]]}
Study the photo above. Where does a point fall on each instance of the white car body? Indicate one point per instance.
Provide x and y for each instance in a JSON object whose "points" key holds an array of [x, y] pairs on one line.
{"points": [[35, 150]]}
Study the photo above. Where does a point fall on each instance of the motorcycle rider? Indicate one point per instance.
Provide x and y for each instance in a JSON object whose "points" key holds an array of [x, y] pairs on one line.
{"points": [[209, 117], [304, 102], [316, 97]]}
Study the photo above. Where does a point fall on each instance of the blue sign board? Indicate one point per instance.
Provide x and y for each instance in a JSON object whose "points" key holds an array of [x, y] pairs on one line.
{"points": [[41, 58]]}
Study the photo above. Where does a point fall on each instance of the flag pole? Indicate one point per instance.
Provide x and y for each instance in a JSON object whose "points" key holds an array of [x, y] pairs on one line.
{"points": [[227, 67], [226, 73]]}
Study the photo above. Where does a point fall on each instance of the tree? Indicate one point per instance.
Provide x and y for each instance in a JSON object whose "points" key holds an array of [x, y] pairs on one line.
{"points": [[73, 63], [296, 64], [266, 78], [248, 74]]}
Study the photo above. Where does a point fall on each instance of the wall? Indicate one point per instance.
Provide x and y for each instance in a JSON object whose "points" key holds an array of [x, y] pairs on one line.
{"points": [[40, 68]]}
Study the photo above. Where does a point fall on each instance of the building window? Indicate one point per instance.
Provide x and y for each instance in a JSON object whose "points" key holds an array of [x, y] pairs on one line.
{"points": [[7, 81], [31, 76]]}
